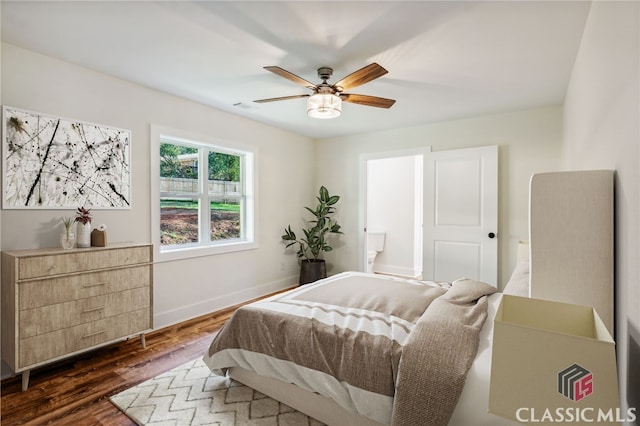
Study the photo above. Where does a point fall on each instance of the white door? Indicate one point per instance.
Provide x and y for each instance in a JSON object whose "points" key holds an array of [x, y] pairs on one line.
{"points": [[461, 215]]}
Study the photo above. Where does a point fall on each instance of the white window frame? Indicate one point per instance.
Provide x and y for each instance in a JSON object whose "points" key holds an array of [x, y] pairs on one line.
{"points": [[248, 167]]}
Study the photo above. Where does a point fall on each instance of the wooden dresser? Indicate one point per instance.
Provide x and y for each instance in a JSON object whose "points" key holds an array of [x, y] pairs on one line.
{"points": [[57, 303]]}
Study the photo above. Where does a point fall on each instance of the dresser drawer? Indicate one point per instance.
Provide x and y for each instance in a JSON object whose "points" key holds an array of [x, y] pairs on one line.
{"points": [[33, 294], [45, 347], [44, 319], [78, 261]]}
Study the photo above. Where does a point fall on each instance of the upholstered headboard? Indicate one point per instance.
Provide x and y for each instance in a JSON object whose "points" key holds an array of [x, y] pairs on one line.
{"points": [[571, 239]]}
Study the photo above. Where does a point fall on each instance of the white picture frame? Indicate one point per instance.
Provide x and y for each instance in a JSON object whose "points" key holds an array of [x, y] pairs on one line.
{"points": [[51, 162]]}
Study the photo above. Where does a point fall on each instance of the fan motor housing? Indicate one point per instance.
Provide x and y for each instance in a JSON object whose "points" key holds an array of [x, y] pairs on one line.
{"points": [[325, 73]]}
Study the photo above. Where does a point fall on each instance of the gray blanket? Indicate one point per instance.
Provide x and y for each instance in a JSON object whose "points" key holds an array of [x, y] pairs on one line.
{"points": [[438, 355]]}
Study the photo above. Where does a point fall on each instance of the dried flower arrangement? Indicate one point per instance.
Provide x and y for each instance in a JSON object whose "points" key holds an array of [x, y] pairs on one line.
{"points": [[83, 215]]}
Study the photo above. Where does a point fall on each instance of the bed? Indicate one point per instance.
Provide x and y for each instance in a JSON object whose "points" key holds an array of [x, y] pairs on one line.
{"points": [[423, 359]]}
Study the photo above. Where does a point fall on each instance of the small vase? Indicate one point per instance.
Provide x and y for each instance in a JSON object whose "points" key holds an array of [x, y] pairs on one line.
{"points": [[67, 240], [83, 232]]}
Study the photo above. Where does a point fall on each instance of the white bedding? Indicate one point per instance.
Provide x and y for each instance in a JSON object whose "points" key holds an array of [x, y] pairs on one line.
{"points": [[472, 406]]}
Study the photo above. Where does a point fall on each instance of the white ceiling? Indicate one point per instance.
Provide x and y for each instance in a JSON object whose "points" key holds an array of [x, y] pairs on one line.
{"points": [[446, 59]]}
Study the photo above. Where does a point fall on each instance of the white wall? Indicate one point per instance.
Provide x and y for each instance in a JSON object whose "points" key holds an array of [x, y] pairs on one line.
{"points": [[182, 289], [602, 131], [391, 208], [529, 141]]}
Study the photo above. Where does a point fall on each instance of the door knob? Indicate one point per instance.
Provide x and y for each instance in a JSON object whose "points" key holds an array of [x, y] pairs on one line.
{"points": [[492, 235]]}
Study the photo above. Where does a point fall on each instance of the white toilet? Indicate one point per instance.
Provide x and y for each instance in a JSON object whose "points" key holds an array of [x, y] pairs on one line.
{"points": [[375, 244]]}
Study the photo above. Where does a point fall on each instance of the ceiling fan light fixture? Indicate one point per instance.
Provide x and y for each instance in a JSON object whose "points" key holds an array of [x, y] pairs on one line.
{"points": [[324, 105]]}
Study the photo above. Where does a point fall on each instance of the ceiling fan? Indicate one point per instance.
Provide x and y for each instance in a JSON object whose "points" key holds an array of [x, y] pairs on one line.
{"points": [[326, 99]]}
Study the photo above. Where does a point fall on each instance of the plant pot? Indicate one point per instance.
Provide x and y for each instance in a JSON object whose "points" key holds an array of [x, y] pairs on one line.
{"points": [[312, 270]]}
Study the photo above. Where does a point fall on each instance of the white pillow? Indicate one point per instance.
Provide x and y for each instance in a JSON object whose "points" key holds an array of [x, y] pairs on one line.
{"points": [[518, 284]]}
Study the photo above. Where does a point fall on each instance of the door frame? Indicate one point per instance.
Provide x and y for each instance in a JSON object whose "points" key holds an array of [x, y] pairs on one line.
{"points": [[362, 187]]}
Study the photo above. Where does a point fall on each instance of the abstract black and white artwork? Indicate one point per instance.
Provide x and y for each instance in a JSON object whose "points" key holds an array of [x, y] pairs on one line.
{"points": [[51, 162]]}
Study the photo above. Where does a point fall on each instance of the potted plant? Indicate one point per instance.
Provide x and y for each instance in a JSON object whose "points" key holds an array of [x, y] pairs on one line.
{"points": [[83, 227], [314, 242]]}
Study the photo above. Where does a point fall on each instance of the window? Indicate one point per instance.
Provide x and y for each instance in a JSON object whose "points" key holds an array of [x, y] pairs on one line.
{"points": [[203, 196]]}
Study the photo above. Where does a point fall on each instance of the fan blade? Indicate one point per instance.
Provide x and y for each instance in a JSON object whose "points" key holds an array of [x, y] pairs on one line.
{"points": [[283, 98], [360, 77], [373, 101], [290, 76]]}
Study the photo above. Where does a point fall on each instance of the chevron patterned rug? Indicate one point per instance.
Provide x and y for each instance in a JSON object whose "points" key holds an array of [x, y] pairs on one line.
{"points": [[190, 395]]}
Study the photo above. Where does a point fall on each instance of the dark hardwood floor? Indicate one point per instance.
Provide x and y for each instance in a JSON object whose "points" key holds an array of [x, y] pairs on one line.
{"points": [[76, 391]]}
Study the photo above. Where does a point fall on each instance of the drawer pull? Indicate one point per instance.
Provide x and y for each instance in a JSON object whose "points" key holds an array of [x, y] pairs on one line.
{"points": [[92, 285], [94, 334], [97, 308]]}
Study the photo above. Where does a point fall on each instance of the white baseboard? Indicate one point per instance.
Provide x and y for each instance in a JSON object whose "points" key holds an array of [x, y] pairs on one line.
{"points": [[184, 313], [396, 270]]}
